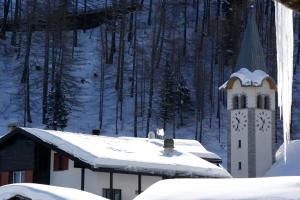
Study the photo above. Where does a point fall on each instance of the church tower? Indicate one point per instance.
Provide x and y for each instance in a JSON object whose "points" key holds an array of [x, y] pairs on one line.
{"points": [[251, 109]]}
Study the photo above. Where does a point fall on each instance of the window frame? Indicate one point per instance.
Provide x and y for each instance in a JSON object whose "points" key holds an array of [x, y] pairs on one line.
{"points": [[60, 162], [106, 193], [22, 176], [240, 165], [243, 101], [267, 102], [235, 102], [259, 102]]}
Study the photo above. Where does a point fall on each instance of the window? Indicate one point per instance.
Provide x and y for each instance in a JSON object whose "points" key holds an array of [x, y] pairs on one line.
{"points": [[243, 101], [235, 102], [117, 194], [240, 144], [18, 177], [267, 103], [240, 165], [60, 162], [259, 102]]}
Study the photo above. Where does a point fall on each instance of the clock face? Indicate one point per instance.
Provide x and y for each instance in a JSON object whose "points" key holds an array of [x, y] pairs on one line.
{"points": [[263, 121], [239, 121]]}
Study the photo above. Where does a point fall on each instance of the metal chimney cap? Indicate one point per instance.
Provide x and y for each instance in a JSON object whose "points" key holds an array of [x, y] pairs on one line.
{"points": [[169, 143]]}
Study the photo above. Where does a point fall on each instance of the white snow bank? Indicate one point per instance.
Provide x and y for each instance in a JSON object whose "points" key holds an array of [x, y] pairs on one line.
{"points": [[248, 78], [45, 192], [251, 188], [134, 154], [291, 166]]}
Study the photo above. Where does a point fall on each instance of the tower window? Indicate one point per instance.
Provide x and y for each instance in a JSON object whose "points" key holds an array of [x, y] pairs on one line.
{"points": [[235, 102], [259, 102], [243, 101], [240, 144], [267, 103], [240, 166]]}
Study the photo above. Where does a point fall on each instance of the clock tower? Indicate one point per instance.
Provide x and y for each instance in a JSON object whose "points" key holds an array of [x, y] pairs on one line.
{"points": [[251, 109]]}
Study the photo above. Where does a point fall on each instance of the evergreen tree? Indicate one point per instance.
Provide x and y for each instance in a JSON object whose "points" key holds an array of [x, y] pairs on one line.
{"points": [[167, 96], [58, 110], [183, 97]]}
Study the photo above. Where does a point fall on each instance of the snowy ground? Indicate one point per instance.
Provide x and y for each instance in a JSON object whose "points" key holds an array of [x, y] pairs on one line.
{"points": [[39, 192], [238, 189], [290, 167]]}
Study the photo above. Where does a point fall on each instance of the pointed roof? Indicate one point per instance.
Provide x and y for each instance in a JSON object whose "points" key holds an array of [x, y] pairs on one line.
{"points": [[251, 54]]}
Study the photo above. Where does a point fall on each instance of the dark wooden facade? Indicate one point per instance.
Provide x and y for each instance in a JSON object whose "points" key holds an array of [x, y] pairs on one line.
{"points": [[19, 153]]}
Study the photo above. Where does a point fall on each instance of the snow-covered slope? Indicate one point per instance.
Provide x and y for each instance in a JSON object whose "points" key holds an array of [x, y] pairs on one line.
{"points": [[290, 167], [284, 188]]}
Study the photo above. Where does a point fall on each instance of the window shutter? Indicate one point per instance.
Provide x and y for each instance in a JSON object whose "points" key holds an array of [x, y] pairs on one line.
{"points": [[4, 178], [56, 162], [65, 164], [29, 176]]}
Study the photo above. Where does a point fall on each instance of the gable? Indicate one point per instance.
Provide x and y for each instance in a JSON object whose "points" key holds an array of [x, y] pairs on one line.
{"points": [[17, 154]]}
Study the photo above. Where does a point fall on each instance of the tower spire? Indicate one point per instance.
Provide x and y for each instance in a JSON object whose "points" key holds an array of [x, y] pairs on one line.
{"points": [[251, 54]]}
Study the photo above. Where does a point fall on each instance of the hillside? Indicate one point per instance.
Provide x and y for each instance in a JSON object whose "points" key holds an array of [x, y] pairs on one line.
{"points": [[180, 58]]}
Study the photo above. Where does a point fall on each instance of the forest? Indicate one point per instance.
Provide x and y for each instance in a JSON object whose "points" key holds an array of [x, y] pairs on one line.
{"points": [[127, 67]]}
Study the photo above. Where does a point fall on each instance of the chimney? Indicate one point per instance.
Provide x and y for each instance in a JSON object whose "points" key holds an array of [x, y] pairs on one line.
{"points": [[151, 135], [95, 132], [168, 145]]}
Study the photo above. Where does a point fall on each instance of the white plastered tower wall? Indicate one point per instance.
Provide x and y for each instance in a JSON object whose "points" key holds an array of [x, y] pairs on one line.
{"points": [[250, 151]]}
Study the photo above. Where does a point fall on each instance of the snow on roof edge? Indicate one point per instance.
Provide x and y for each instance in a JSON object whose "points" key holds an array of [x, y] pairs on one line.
{"points": [[40, 191], [248, 78]]}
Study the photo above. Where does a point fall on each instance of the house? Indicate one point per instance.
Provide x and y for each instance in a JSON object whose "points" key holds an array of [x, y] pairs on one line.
{"points": [[284, 188], [118, 167], [32, 191]]}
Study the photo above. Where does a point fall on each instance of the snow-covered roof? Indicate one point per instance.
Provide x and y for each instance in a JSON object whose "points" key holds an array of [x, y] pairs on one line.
{"points": [[134, 154], [235, 188], [39, 192], [248, 78], [290, 167]]}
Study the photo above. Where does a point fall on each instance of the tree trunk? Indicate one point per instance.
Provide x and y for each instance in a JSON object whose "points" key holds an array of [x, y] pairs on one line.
{"points": [[185, 27], [135, 76], [6, 5], [16, 22], [150, 13], [197, 16], [26, 76], [46, 65]]}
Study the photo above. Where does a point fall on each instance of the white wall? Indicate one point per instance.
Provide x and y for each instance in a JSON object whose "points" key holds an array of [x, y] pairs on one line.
{"points": [[147, 181], [68, 178], [263, 148], [96, 181], [239, 154], [263, 141], [128, 183]]}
